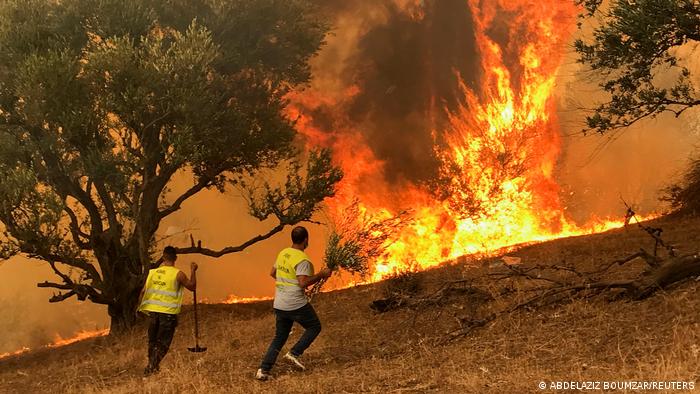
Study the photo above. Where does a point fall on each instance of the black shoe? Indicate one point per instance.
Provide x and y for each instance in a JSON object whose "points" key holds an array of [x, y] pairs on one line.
{"points": [[149, 370]]}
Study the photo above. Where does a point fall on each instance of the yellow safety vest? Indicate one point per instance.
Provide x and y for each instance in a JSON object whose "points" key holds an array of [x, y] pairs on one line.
{"points": [[286, 264], [163, 292]]}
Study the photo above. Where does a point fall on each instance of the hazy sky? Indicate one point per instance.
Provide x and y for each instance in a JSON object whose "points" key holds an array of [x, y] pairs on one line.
{"points": [[635, 166]]}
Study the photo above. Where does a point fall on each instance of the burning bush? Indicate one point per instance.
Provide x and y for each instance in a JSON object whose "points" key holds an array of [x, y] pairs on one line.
{"points": [[358, 239]]}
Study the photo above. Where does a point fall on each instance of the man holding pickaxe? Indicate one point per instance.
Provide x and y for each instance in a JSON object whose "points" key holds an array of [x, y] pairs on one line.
{"points": [[161, 299]]}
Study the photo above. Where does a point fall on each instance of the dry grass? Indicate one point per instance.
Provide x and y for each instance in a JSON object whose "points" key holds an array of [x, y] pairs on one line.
{"points": [[401, 351]]}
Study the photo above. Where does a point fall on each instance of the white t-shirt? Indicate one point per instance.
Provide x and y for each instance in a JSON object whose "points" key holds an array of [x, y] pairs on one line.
{"points": [[290, 298]]}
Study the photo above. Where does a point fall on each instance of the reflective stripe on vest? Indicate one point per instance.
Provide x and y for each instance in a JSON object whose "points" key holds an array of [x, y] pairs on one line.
{"points": [[162, 293], [285, 280], [160, 303], [286, 264]]}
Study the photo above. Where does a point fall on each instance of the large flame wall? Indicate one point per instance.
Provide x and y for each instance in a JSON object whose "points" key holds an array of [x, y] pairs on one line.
{"points": [[446, 108], [452, 108]]}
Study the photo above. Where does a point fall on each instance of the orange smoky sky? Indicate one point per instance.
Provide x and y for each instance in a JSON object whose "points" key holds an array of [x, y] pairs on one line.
{"points": [[383, 40]]}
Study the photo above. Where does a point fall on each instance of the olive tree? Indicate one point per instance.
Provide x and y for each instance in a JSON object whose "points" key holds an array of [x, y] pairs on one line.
{"points": [[104, 102]]}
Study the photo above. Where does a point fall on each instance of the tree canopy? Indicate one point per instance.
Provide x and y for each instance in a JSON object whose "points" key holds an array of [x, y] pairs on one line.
{"points": [[103, 102], [640, 49]]}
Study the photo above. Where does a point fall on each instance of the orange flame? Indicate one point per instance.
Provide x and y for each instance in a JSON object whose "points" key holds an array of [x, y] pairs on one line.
{"points": [[234, 299], [15, 353], [59, 341], [498, 151], [82, 335]]}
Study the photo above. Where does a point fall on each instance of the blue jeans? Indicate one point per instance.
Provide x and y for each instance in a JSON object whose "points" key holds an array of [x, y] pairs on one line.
{"points": [[306, 317]]}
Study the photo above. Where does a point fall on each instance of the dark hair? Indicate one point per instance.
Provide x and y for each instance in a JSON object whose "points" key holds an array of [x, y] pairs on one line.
{"points": [[299, 235], [169, 253]]}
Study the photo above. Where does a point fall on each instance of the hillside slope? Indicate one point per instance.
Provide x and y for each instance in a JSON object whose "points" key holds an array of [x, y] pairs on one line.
{"points": [[405, 350]]}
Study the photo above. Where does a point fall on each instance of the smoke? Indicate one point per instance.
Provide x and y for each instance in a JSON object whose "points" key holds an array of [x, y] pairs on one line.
{"points": [[28, 319], [391, 69], [218, 220], [405, 66], [634, 164], [223, 220]]}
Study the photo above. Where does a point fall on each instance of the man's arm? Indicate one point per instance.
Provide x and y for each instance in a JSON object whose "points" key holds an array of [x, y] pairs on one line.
{"points": [[308, 280], [191, 283]]}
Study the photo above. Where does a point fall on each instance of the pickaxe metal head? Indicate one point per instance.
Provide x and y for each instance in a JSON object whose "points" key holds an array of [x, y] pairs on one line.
{"points": [[197, 349]]}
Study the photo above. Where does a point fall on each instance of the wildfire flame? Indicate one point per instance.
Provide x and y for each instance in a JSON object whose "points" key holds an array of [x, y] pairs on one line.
{"points": [[234, 299], [60, 341], [15, 353], [498, 152], [82, 335]]}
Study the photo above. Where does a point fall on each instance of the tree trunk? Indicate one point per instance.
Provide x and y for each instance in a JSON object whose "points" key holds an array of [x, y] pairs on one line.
{"points": [[125, 291], [123, 311]]}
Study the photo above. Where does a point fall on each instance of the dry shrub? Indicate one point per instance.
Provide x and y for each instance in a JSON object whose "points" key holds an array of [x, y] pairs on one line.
{"points": [[403, 284], [684, 196]]}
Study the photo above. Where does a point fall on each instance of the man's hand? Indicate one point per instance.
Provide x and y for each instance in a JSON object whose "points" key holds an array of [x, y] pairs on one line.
{"points": [[306, 281], [191, 282]]}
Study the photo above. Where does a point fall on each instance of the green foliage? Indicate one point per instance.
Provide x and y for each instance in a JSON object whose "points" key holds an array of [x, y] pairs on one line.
{"points": [[102, 102], [359, 238], [297, 200], [635, 49]]}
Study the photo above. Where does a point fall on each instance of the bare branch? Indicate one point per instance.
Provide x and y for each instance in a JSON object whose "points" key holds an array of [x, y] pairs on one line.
{"points": [[108, 206], [83, 292], [66, 279], [198, 249], [62, 296], [60, 286], [202, 184], [652, 261], [77, 234]]}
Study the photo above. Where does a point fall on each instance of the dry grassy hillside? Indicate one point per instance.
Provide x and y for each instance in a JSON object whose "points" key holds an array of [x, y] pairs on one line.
{"points": [[406, 350]]}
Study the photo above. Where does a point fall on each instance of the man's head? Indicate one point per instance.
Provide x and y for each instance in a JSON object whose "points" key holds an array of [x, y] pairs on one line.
{"points": [[169, 254], [300, 237]]}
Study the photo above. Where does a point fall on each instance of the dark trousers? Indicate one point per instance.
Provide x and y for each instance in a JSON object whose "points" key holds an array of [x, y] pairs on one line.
{"points": [[161, 330], [306, 317]]}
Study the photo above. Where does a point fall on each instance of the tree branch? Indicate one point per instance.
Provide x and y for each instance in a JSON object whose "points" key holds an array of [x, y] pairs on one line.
{"points": [[62, 296], [83, 292], [53, 258], [75, 229], [109, 206], [198, 249], [202, 184], [60, 286], [66, 279]]}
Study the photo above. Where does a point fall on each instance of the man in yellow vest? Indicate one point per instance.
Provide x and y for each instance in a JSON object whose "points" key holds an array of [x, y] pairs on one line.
{"points": [[293, 272], [161, 299]]}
